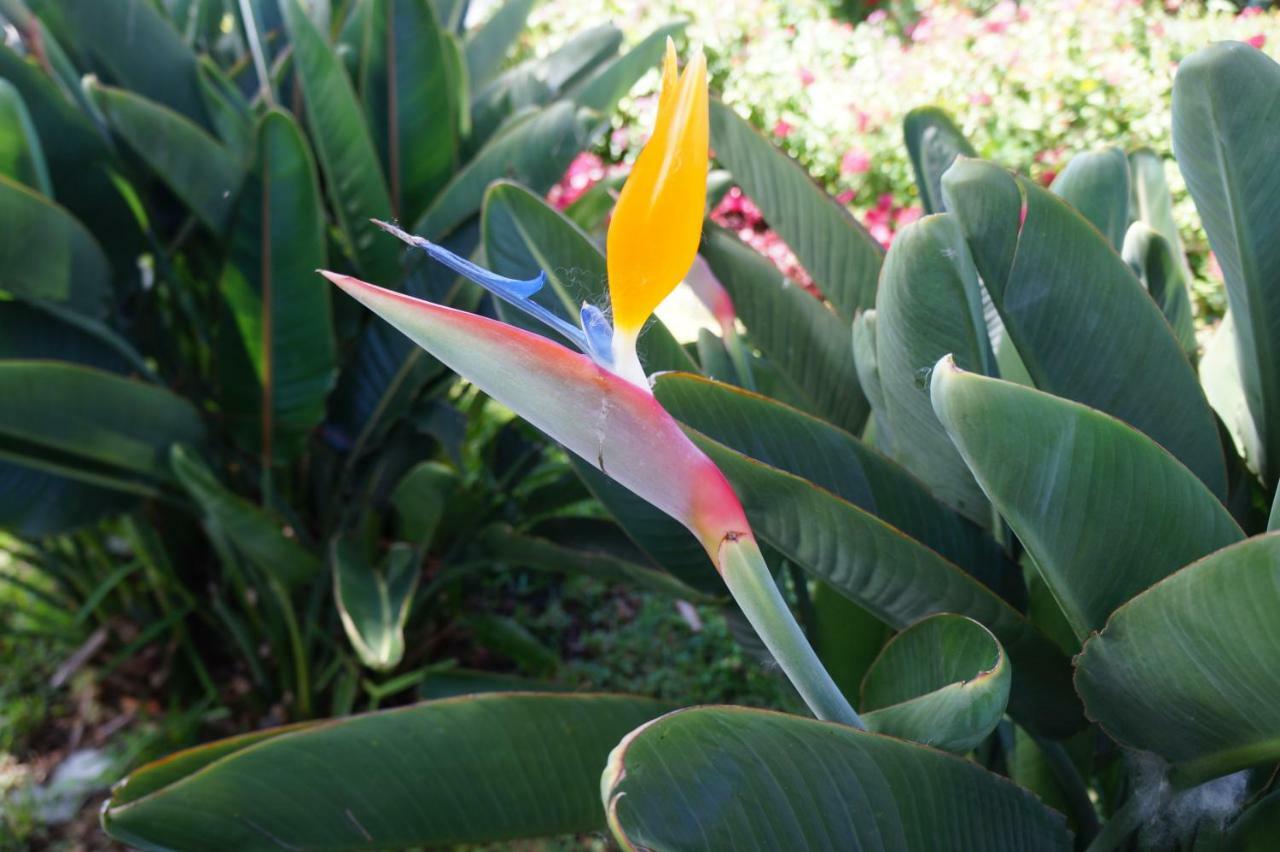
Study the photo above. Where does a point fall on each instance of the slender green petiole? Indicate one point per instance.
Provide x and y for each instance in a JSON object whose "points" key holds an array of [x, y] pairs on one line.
{"points": [[752, 586]]}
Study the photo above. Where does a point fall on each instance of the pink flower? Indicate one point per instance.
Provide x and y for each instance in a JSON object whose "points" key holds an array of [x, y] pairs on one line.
{"points": [[1259, 40], [980, 99], [806, 77], [856, 161], [878, 16], [845, 197], [782, 129]]}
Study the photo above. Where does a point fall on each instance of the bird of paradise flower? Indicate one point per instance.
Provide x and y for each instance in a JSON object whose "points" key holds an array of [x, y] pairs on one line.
{"points": [[598, 403]]}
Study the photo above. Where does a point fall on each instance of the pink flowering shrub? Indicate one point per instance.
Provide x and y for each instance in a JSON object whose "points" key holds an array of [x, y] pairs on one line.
{"points": [[1031, 84]]}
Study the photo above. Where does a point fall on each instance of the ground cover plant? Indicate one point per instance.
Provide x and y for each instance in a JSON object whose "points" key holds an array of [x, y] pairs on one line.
{"points": [[982, 499]]}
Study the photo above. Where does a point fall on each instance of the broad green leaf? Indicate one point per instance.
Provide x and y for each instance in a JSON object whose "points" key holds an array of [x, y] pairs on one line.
{"points": [[537, 82], [130, 43], [420, 499], [806, 340], [713, 778], [409, 101], [846, 637], [21, 157], [356, 185], [282, 361], [1187, 668], [1096, 184], [1257, 828], [229, 112], [478, 769], [1152, 203], [45, 253], [929, 305], [373, 602], [1224, 386], [1104, 511], [487, 46], [833, 248], [531, 551], [943, 681], [198, 168], [535, 152], [878, 433], [33, 502], [91, 417], [255, 533], [933, 143], [894, 577], [79, 163], [611, 82], [1226, 136], [1080, 320], [1160, 270], [524, 235], [792, 441]]}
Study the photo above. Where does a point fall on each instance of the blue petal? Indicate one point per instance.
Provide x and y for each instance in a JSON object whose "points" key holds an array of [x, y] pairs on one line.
{"points": [[513, 291], [599, 334]]}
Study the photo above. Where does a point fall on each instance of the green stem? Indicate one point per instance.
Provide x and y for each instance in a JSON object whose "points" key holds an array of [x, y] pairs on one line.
{"points": [[1123, 823], [752, 586], [740, 359], [1073, 786]]}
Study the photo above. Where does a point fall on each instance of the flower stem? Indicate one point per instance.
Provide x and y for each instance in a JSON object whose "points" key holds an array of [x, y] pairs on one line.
{"points": [[752, 586]]}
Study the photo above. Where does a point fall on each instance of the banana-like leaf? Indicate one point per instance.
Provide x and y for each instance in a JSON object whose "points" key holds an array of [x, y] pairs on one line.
{"points": [[610, 82], [133, 45], [933, 143], [1096, 184], [1152, 202], [36, 503], [278, 363], [1226, 136], [1187, 668], [534, 151], [929, 305], [229, 111], [487, 45], [535, 83], [252, 531], [477, 769], [943, 681], [878, 433], [1080, 320], [373, 602], [21, 157], [80, 165], [790, 440], [1153, 260], [524, 235], [841, 256], [847, 637], [806, 340], [410, 101], [58, 415], [896, 578], [199, 169], [348, 160], [713, 778], [420, 500], [1224, 385], [1258, 827], [47, 254], [1104, 511], [842, 259], [597, 415]]}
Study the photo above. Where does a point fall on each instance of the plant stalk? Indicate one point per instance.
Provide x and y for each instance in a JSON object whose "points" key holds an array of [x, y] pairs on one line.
{"points": [[752, 586]]}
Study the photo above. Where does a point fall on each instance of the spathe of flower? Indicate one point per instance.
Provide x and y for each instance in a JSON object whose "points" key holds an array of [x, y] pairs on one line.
{"points": [[598, 403]]}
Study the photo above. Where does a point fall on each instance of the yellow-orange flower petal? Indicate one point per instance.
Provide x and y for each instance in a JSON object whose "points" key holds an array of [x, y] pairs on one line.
{"points": [[657, 222]]}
